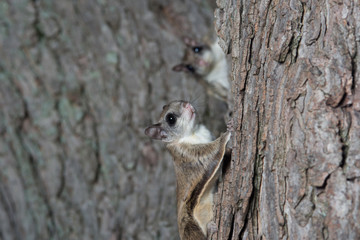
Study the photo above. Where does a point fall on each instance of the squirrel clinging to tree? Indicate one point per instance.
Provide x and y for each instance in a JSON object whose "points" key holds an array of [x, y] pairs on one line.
{"points": [[197, 161]]}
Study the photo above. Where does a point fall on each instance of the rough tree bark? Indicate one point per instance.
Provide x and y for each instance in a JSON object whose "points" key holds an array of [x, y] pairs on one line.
{"points": [[79, 82], [295, 172]]}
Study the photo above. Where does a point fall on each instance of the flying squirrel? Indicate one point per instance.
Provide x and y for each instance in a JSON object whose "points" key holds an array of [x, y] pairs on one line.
{"points": [[197, 162], [208, 64]]}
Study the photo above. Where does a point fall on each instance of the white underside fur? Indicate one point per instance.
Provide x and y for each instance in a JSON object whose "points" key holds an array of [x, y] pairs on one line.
{"points": [[200, 135], [219, 74]]}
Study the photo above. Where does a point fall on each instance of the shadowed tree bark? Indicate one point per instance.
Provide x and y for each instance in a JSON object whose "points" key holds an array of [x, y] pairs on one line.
{"points": [[295, 172], [79, 82]]}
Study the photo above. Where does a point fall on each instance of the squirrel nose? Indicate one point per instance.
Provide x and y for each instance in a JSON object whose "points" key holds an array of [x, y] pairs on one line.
{"points": [[188, 106]]}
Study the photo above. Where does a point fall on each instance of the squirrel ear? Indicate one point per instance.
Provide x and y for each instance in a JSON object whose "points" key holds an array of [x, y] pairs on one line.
{"points": [[156, 132], [189, 41], [178, 68]]}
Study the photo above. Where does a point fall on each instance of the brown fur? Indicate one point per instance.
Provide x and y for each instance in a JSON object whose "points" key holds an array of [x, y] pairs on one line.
{"points": [[196, 164], [202, 64], [197, 168]]}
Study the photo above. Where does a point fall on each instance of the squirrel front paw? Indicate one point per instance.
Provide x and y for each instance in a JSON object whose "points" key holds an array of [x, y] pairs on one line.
{"points": [[211, 229], [230, 125]]}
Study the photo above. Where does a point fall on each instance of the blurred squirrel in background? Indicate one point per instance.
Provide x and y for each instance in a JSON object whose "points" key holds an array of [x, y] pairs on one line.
{"points": [[208, 64]]}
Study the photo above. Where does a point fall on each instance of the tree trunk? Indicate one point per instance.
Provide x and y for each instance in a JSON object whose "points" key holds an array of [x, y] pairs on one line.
{"points": [[295, 170], [79, 82]]}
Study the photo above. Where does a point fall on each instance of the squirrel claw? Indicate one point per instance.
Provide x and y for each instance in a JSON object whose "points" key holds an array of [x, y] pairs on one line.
{"points": [[230, 125], [211, 229]]}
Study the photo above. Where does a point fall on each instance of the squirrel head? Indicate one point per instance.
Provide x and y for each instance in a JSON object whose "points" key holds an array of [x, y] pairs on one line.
{"points": [[198, 59], [178, 119]]}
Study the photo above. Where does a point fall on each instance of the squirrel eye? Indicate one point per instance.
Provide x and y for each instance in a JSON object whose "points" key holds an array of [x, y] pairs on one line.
{"points": [[197, 49], [170, 119], [190, 68]]}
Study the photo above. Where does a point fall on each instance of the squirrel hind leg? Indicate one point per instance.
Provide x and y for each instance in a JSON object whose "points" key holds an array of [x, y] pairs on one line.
{"points": [[193, 232]]}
